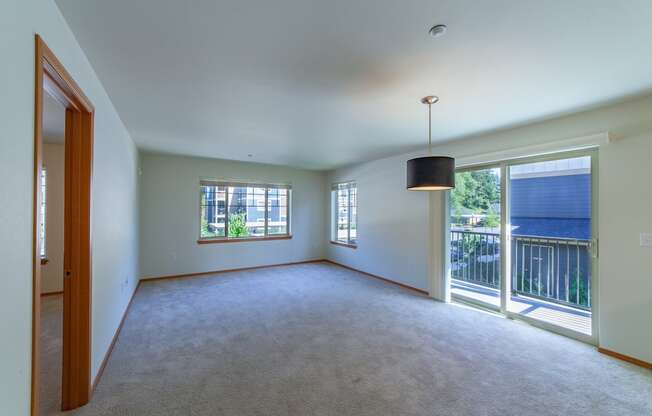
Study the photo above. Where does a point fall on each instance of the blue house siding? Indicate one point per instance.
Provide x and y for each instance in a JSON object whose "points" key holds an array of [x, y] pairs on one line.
{"points": [[552, 206], [578, 228], [566, 196]]}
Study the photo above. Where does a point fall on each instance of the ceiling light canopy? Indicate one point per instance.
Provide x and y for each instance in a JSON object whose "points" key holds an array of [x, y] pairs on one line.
{"points": [[430, 173]]}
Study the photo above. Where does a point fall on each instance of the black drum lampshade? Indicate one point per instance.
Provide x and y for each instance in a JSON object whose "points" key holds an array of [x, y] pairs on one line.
{"points": [[431, 173]]}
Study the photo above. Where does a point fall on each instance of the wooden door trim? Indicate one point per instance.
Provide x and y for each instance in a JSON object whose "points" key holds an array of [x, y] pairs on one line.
{"points": [[52, 77]]}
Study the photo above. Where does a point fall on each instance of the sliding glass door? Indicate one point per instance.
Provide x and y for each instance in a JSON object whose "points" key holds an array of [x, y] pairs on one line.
{"points": [[523, 240], [552, 241], [475, 236]]}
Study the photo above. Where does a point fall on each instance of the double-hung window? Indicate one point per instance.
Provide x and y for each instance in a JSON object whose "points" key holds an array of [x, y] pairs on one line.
{"points": [[344, 199], [231, 211]]}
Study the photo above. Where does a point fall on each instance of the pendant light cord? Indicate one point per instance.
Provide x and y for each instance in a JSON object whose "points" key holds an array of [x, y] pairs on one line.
{"points": [[429, 129], [430, 100]]}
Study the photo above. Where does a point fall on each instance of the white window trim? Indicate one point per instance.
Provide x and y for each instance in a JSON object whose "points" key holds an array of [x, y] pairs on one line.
{"points": [[335, 187]]}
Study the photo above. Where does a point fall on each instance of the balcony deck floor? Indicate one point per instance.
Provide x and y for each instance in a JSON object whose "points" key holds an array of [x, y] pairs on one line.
{"points": [[577, 320]]}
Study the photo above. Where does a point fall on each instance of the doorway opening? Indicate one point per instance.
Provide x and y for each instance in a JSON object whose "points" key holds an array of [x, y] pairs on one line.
{"points": [[54, 84], [523, 240], [51, 240]]}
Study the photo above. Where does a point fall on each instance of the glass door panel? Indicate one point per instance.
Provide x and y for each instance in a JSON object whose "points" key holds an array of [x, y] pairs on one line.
{"points": [[475, 237], [551, 242]]}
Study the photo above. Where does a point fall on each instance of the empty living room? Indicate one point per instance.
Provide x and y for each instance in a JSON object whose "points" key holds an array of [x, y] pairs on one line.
{"points": [[326, 208]]}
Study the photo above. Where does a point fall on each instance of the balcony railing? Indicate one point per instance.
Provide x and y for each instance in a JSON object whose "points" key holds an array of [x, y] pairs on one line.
{"points": [[554, 269], [475, 257]]}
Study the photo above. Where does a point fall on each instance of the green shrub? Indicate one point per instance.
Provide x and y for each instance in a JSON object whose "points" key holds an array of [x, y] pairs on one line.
{"points": [[572, 288], [492, 220], [238, 225]]}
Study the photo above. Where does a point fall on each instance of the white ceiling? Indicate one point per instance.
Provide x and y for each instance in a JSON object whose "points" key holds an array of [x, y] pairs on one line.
{"points": [[320, 84], [54, 120]]}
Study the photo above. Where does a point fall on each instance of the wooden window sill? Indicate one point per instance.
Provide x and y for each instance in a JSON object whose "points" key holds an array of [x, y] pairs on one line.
{"points": [[339, 243], [240, 240]]}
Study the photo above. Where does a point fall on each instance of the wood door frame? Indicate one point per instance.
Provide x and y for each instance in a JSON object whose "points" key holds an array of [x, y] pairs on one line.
{"points": [[51, 77]]}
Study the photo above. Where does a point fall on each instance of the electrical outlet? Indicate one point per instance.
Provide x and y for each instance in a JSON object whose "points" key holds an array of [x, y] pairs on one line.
{"points": [[646, 239]]}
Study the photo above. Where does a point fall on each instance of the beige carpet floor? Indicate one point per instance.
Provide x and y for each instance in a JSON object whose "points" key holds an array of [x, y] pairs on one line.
{"points": [[317, 339], [50, 353]]}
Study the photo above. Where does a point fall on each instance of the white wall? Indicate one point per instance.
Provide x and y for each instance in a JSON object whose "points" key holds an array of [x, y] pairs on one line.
{"points": [[170, 216], [52, 272], [114, 214], [394, 223], [625, 267]]}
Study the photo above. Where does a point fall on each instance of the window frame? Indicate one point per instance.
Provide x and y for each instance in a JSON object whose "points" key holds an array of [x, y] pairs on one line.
{"points": [[43, 254], [335, 188], [227, 184]]}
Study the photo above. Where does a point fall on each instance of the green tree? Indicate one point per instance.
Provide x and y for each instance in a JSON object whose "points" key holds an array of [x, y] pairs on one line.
{"points": [[457, 197], [482, 190], [476, 191]]}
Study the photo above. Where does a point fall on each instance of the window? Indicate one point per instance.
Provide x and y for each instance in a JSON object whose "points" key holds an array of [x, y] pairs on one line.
{"points": [[345, 213], [231, 211], [41, 231]]}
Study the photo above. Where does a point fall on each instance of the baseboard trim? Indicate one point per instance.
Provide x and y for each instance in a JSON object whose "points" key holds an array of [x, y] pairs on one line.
{"points": [[627, 358], [239, 269], [60, 292], [105, 361], [384, 279]]}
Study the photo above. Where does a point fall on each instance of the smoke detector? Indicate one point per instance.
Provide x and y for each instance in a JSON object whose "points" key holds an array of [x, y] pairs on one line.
{"points": [[438, 31]]}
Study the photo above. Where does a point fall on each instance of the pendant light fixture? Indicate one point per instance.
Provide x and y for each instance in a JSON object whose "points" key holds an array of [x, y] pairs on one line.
{"points": [[430, 173]]}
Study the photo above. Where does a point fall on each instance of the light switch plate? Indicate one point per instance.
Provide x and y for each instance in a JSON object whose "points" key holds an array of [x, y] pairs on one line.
{"points": [[646, 239]]}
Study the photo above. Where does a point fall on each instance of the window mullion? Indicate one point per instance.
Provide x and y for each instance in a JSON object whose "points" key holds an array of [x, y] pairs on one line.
{"points": [[226, 212], [348, 216], [266, 211], [334, 214]]}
